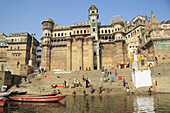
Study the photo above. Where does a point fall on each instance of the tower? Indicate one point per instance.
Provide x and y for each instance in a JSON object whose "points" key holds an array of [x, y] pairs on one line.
{"points": [[46, 43], [93, 16]]}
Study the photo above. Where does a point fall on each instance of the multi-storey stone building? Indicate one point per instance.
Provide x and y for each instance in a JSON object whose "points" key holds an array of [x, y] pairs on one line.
{"points": [[92, 45], [15, 50], [83, 45]]}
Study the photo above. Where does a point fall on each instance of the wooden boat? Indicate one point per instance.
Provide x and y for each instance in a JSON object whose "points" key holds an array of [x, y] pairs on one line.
{"points": [[37, 98], [4, 94], [52, 94], [22, 93], [23, 104]]}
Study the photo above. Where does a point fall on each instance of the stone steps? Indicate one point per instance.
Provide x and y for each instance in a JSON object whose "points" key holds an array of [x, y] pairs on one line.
{"points": [[42, 85]]}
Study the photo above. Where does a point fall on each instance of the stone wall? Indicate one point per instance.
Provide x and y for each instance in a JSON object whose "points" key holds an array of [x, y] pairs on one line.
{"points": [[5, 78], [58, 58], [162, 51], [113, 53]]}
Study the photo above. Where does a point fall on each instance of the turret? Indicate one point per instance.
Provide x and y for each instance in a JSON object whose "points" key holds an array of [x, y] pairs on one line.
{"points": [[47, 30], [46, 44], [93, 16]]}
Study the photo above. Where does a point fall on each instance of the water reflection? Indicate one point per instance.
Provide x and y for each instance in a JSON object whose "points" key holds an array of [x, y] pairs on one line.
{"points": [[144, 104], [96, 104]]}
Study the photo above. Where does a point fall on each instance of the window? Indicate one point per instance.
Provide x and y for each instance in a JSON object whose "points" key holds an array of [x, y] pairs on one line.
{"points": [[15, 40], [45, 34], [18, 47], [55, 34], [109, 31], [12, 40], [11, 48], [14, 47], [84, 31], [61, 34], [38, 50], [77, 32], [81, 31], [92, 11], [102, 31], [23, 40], [70, 33], [58, 34], [2, 51], [93, 21], [93, 29], [19, 40], [38, 56], [105, 31], [94, 53]]}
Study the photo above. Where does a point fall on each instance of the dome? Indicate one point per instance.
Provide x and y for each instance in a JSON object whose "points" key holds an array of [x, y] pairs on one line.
{"points": [[93, 7], [49, 20]]}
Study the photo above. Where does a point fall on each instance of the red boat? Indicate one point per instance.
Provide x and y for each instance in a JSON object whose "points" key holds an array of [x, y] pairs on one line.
{"points": [[3, 101], [38, 98], [23, 104]]}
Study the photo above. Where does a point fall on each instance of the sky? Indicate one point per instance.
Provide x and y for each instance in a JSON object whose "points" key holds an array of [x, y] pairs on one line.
{"points": [[27, 15]]}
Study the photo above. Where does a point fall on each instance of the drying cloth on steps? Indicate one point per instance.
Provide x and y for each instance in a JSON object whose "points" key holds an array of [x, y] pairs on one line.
{"points": [[112, 78], [119, 77]]}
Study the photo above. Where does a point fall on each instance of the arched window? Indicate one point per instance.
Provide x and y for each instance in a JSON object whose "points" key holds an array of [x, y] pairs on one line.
{"points": [[61, 34], [77, 31], [106, 38], [84, 31], [109, 30], [81, 31], [55, 34], [12, 40], [61, 39], [70, 33], [45, 34], [58, 34], [11, 47], [93, 21], [102, 31], [18, 47], [55, 40], [102, 38], [105, 31]]}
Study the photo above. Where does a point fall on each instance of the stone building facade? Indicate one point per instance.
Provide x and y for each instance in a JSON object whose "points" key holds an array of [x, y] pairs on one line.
{"points": [[15, 51], [156, 43], [83, 45]]}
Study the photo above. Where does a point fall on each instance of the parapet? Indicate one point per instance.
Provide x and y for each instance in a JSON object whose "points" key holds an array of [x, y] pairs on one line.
{"points": [[114, 21]]}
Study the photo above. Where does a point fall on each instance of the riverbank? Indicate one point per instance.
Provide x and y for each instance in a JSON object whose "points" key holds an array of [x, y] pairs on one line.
{"points": [[42, 83]]}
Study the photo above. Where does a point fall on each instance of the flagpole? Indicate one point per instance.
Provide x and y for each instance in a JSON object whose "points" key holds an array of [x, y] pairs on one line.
{"points": [[31, 49]]}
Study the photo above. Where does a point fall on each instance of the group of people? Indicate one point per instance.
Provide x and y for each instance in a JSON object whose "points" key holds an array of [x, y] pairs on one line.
{"points": [[76, 83], [56, 92]]}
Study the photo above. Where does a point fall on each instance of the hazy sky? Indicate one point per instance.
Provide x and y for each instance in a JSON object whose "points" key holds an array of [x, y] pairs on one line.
{"points": [[27, 15]]}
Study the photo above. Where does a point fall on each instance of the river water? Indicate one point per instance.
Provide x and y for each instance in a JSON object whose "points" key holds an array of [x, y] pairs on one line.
{"points": [[156, 103]]}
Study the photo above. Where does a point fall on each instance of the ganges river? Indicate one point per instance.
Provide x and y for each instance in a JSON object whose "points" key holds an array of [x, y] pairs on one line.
{"points": [[155, 103]]}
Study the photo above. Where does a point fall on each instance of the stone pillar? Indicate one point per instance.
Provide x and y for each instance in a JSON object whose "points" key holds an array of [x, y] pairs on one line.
{"points": [[69, 53], [46, 57], [98, 57], [91, 57], [79, 51]]}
